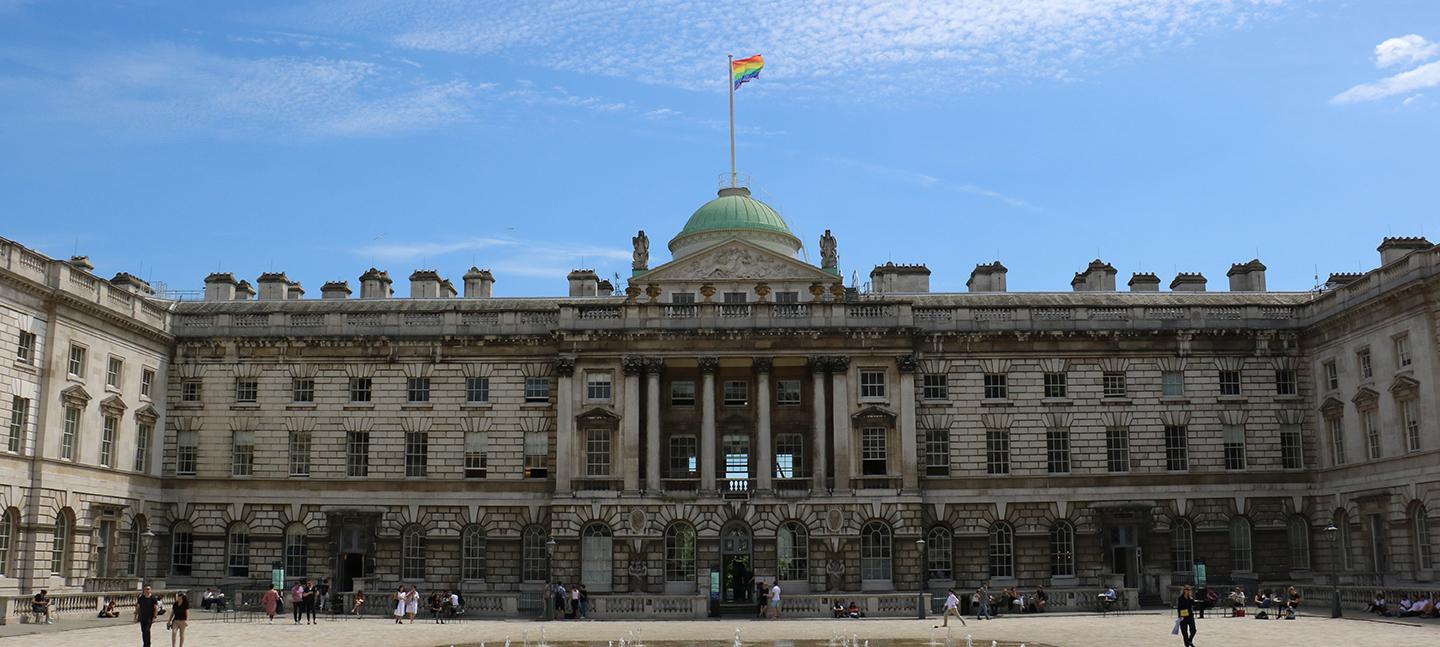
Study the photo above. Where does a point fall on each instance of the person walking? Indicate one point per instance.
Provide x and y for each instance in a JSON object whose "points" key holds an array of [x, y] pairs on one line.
{"points": [[147, 609], [312, 601], [270, 600], [952, 608], [775, 600], [179, 619], [297, 600], [1185, 609], [400, 598], [982, 603], [412, 604], [574, 603]]}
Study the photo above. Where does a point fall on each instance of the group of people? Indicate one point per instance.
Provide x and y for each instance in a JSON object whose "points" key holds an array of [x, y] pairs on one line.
{"points": [[1421, 605], [305, 598], [839, 610], [1268, 601], [149, 608], [442, 606], [767, 599], [571, 603], [988, 605]]}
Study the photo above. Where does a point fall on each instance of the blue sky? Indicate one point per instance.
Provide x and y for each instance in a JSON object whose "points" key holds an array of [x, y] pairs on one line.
{"points": [[319, 138]]}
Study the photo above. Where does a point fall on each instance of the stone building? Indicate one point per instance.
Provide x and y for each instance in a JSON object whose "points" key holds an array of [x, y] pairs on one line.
{"points": [[735, 409]]}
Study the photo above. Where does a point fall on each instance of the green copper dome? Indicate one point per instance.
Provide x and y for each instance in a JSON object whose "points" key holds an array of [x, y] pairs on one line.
{"points": [[735, 213]]}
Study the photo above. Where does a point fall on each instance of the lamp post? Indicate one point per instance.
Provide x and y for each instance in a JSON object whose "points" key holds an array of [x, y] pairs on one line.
{"points": [[924, 599], [546, 598], [147, 540], [1333, 533]]}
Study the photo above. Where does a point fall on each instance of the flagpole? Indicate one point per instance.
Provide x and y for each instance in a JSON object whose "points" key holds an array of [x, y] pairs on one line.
{"points": [[730, 82]]}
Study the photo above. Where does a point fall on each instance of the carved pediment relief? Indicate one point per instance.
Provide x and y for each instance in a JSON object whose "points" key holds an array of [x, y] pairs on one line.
{"points": [[874, 413], [113, 405], [1332, 406], [736, 260], [597, 417], [75, 396], [1365, 397], [1405, 386]]}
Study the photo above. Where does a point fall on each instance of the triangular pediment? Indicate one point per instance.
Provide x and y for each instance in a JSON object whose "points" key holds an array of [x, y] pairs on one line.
{"points": [[874, 411], [1404, 385], [1332, 406], [597, 417], [76, 395], [113, 404], [733, 260], [1365, 396]]}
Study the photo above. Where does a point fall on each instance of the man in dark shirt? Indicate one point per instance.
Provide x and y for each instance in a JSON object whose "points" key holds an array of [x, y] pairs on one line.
{"points": [[147, 609], [1185, 608]]}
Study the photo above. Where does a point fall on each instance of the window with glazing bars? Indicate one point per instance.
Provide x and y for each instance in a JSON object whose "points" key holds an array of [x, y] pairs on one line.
{"points": [[736, 393], [1234, 447], [1057, 451], [1362, 360], [242, 453], [682, 457], [1402, 351], [1062, 549], [147, 382], [1002, 551], [1172, 384], [143, 431], [1410, 420], [76, 366], [1229, 382], [417, 390], [789, 456], [1177, 448], [682, 393], [537, 389], [299, 453], [1112, 384], [1117, 449], [1336, 429], [69, 432], [1332, 376], [1056, 385], [597, 452], [597, 386], [360, 389], [1292, 453], [357, 453], [1371, 430], [19, 419], [302, 389], [114, 369], [934, 386], [873, 451], [246, 390], [477, 390], [110, 426], [25, 350], [997, 451], [1286, 382], [872, 384], [537, 455], [185, 453], [417, 453], [996, 386], [190, 391], [787, 392], [937, 452]]}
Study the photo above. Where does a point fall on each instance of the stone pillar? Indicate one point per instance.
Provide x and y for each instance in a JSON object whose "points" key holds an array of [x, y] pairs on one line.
{"points": [[653, 367], [564, 423], [764, 452], [818, 366], [909, 455], [840, 412], [708, 366], [630, 423]]}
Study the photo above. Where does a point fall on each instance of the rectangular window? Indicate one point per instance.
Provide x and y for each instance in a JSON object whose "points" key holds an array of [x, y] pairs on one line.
{"points": [[190, 391], [935, 386], [417, 390], [597, 452], [147, 382], [1362, 360], [477, 444], [246, 390], [185, 453], [597, 386], [735, 451], [1229, 382], [114, 369], [1172, 384], [357, 453], [1286, 382], [736, 393], [143, 431], [19, 418], [1402, 351], [997, 451], [937, 452], [299, 453], [996, 386], [69, 433], [789, 456], [1336, 428], [787, 297], [682, 393], [684, 298], [873, 451], [734, 297], [109, 428], [787, 392], [1332, 376], [1234, 447], [682, 457], [242, 453], [77, 361], [537, 455], [1057, 451], [182, 551], [1371, 432], [1117, 449], [1292, 453], [25, 351], [1056, 385], [360, 389], [1177, 448], [1113, 384], [302, 389], [417, 454], [872, 384], [477, 390], [1410, 419], [537, 389]]}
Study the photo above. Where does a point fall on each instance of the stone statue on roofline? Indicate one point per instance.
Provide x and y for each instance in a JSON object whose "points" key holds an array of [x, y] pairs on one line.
{"points": [[641, 256], [829, 258]]}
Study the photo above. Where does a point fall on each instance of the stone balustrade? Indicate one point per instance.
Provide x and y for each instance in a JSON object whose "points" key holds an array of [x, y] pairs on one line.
{"points": [[17, 607]]}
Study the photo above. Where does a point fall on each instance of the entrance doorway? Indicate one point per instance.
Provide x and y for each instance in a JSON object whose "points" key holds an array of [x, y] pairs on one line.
{"points": [[352, 567], [736, 568], [1125, 554]]}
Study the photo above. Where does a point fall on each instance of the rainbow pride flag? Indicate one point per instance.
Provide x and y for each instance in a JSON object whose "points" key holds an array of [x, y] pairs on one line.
{"points": [[744, 69]]}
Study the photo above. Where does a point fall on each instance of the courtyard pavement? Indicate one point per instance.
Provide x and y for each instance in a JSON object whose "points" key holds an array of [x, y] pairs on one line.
{"points": [[1058, 630]]}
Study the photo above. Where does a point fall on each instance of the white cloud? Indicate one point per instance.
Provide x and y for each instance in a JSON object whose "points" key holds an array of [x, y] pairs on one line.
{"points": [[930, 181], [426, 250], [1405, 50], [1420, 78]]}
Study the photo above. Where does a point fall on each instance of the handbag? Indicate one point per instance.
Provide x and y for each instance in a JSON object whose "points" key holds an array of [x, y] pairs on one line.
{"points": [[1175, 631]]}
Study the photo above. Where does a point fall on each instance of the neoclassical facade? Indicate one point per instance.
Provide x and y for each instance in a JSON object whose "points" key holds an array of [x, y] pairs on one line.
{"points": [[736, 409]]}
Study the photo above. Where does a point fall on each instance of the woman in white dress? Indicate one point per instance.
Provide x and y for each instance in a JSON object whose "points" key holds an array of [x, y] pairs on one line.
{"points": [[400, 598], [412, 604]]}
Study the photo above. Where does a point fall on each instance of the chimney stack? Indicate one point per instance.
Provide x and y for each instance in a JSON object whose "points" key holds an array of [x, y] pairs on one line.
{"points": [[604, 288], [1144, 282], [1099, 276], [244, 291], [220, 286], [1393, 248], [891, 278], [987, 277], [375, 284], [1337, 279], [583, 283], [1188, 282], [425, 284], [479, 284], [335, 290], [274, 286], [1247, 277], [295, 292], [82, 262]]}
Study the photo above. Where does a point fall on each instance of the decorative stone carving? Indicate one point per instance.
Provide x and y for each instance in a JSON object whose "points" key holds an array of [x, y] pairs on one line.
{"points": [[762, 290], [632, 364], [762, 364], [906, 363], [640, 258], [654, 365], [834, 520], [829, 257], [652, 291], [637, 520], [707, 291], [709, 364], [632, 293], [837, 290], [817, 291], [839, 363], [565, 366]]}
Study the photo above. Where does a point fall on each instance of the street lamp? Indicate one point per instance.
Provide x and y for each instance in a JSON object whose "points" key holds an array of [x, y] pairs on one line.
{"points": [[1332, 532], [546, 598], [147, 540], [924, 600]]}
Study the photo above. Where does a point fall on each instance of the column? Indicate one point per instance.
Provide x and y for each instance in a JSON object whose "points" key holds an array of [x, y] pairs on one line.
{"points": [[840, 411], [708, 366], [763, 451], [630, 422], [818, 366], [909, 455], [652, 423], [564, 423]]}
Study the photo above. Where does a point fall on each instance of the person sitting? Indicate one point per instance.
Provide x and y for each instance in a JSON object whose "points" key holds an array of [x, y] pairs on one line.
{"points": [[838, 610], [1424, 607], [1108, 598], [854, 610], [359, 603], [1237, 602], [40, 607], [1292, 602], [213, 598], [1378, 605], [1207, 600], [1037, 601], [1263, 602], [109, 610]]}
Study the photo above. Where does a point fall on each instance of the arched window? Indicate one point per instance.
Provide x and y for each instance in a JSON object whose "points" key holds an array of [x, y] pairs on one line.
{"points": [[295, 550], [1240, 545], [1424, 549], [9, 532], [182, 549], [1182, 546], [596, 554], [237, 550], [1062, 549], [1299, 530], [60, 544], [1342, 525], [680, 553], [940, 553], [534, 557], [472, 553], [792, 551], [1002, 550], [875, 551], [134, 539], [412, 552]]}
